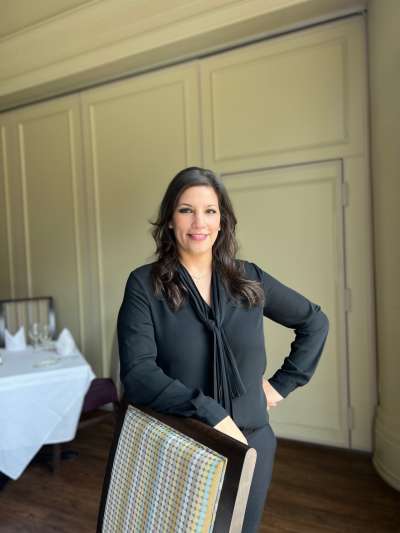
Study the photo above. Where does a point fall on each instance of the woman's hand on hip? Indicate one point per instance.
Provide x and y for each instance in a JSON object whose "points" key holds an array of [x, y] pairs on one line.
{"points": [[272, 395], [228, 426]]}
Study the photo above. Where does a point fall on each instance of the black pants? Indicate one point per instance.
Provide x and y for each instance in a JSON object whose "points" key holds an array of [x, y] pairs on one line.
{"points": [[264, 441]]}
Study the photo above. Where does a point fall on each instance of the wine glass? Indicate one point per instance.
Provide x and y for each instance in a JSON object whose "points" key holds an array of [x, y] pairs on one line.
{"points": [[44, 336], [34, 334]]}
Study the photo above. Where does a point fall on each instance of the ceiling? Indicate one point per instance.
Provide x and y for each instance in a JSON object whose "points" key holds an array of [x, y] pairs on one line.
{"points": [[17, 15]]}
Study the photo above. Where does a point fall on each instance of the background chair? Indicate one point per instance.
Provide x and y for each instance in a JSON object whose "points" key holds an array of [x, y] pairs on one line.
{"points": [[25, 312], [168, 473], [103, 391]]}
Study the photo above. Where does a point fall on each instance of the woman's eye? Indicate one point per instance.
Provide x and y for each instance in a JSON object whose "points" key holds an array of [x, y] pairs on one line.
{"points": [[190, 210]]}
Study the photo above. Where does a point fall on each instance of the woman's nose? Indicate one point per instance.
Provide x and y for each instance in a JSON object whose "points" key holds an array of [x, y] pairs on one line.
{"points": [[198, 220]]}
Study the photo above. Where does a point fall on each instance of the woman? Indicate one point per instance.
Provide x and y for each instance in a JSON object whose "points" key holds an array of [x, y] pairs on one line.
{"points": [[190, 328]]}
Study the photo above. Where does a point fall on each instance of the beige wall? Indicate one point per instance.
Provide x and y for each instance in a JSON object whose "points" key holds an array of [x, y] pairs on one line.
{"points": [[384, 53]]}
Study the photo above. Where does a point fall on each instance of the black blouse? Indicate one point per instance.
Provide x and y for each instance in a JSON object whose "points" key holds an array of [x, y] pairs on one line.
{"points": [[166, 356]]}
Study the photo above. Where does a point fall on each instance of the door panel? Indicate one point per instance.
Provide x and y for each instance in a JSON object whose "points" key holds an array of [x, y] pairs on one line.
{"points": [[7, 287], [290, 224], [283, 101], [49, 143]]}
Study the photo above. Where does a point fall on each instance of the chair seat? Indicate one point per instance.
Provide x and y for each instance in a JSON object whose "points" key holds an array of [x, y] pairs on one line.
{"points": [[101, 392]]}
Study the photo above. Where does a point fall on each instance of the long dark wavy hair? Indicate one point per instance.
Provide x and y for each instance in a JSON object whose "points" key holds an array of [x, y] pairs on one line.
{"points": [[164, 271]]}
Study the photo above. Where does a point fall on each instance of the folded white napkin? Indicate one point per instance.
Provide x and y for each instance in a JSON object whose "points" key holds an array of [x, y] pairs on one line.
{"points": [[16, 342], [65, 344]]}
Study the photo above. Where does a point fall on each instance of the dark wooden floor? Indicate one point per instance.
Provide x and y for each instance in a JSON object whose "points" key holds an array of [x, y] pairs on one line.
{"points": [[314, 489]]}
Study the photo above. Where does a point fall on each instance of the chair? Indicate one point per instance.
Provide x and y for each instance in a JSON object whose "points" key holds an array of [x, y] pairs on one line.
{"points": [[175, 474], [25, 312], [103, 391]]}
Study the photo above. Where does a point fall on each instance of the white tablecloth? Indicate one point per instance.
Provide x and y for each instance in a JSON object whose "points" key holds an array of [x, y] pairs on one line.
{"points": [[38, 404]]}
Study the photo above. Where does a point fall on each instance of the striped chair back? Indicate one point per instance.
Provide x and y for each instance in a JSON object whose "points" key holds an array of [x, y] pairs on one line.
{"points": [[165, 475], [25, 312]]}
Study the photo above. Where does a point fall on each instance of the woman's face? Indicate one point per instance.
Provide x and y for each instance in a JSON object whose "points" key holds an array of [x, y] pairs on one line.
{"points": [[196, 221]]}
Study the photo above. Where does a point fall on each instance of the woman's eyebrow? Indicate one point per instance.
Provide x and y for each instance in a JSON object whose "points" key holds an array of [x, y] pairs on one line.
{"points": [[190, 205]]}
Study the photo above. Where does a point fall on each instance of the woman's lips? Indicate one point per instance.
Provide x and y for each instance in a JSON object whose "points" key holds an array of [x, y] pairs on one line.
{"points": [[197, 236]]}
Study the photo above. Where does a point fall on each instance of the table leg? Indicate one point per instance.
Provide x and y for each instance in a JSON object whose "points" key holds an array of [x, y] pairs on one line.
{"points": [[3, 480]]}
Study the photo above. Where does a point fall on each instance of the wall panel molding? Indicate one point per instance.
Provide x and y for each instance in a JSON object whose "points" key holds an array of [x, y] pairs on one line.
{"points": [[8, 279], [77, 224], [50, 192], [97, 227], [114, 39], [291, 100], [25, 211]]}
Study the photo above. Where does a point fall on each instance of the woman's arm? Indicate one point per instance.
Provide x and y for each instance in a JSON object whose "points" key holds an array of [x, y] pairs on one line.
{"points": [[145, 383], [293, 310]]}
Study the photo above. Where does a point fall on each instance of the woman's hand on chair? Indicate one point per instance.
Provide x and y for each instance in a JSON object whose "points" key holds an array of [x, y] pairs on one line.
{"points": [[228, 426]]}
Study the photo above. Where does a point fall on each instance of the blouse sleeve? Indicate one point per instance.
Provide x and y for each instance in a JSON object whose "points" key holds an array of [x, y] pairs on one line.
{"points": [[145, 383], [293, 310]]}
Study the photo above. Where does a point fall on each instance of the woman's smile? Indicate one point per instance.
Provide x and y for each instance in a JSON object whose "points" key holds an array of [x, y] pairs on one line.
{"points": [[198, 236]]}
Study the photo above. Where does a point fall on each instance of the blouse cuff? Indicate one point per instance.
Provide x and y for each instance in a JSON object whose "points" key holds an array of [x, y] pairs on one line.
{"points": [[281, 384], [208, 410]]}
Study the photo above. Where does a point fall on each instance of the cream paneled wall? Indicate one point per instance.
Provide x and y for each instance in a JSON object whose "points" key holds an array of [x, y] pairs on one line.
{"points": [[47, 209], [281, 103], [138, 134], [295, 99], [290, 101]]}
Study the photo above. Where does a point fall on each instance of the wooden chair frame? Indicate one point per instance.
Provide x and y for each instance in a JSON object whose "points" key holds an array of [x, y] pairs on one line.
{"points": [[238, 474]]}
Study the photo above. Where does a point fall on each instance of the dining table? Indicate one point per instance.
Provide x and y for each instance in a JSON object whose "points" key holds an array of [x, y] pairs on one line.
{"points": [[41, 398]]}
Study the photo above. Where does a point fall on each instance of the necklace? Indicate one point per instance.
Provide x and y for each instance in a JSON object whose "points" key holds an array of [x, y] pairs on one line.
{"points": [[198, 276]]}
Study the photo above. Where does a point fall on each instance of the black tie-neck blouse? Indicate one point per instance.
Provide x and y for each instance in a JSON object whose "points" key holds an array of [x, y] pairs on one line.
{"points": [[168, 358]]}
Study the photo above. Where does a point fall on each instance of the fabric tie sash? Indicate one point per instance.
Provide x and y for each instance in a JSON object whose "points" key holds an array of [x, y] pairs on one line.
{"points": [[227, 383]]}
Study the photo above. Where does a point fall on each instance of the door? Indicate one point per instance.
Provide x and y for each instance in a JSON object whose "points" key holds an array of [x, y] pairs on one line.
{"points": [[290, 223]]}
